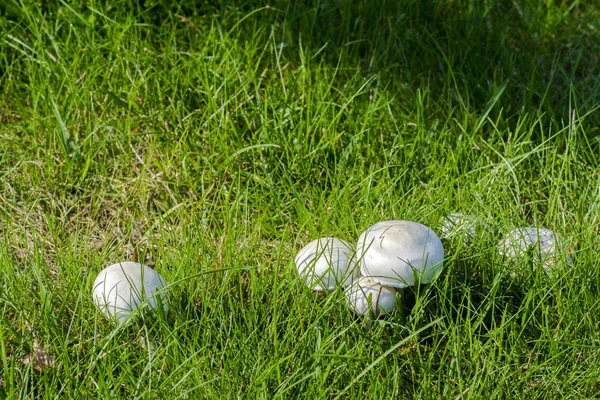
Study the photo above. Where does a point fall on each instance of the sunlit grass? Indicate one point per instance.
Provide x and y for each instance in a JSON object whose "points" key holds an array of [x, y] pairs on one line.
{"points": [[213, 142]]}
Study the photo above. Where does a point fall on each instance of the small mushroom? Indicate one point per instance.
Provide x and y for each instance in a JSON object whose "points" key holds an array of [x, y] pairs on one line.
{"points": [[399, 253], [364, 295], [325, 263], [459, 224], [120, 288], [544, 244]]}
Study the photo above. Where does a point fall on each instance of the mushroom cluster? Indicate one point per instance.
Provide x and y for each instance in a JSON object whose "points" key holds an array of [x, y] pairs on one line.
{"points": [[389, 256]]}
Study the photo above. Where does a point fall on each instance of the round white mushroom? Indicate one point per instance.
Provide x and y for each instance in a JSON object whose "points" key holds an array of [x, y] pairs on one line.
{"points": [[459, 224], [326, 263], [364, 295], [545, 246], [121, 287], [399, 253]]}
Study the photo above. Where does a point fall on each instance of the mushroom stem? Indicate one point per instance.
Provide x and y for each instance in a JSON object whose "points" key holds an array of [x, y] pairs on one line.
{"points": [[366, 297]]}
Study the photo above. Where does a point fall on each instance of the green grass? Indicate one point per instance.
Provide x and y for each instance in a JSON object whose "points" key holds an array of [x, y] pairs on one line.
{"points": [[213, 141]]}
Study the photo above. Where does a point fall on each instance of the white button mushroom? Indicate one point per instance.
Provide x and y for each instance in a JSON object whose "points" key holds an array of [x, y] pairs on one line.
{"points": [[544, 244], [459, 224], [325, 263], [398, 253], [121, 287], [364, 295]]}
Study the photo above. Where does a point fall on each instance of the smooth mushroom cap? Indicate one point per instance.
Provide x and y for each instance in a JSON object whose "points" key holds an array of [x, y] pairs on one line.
{"points": [[394, 253], [120, 288], [364, 295], [325, 263], [457, 224], [546, 245]]}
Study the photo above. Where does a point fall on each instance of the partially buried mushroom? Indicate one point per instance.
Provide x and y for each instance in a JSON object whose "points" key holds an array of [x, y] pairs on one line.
{"points": [[399, 253], [326, 263], [460, 225], [544, 246]]}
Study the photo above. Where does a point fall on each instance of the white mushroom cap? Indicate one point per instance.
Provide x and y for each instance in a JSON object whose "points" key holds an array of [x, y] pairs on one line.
{"points": [[393, 252], [546, 246], [459, 224], [121, 287], [364, 295], [325, 263]]}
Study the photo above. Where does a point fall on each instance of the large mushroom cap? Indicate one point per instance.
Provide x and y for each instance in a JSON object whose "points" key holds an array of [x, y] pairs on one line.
{"points": [[121, 287], [364, 295], [325, 263], [394, 253], [544, 244]]}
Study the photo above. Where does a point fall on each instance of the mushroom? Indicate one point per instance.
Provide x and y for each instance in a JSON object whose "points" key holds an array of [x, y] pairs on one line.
{"points": [[120, 288], [399, 253], [325, 263], [544, 244], [459, 224], [364, 295]]}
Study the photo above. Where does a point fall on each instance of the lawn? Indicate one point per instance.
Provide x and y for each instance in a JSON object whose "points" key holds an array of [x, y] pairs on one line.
{"points": [[213, 140]]}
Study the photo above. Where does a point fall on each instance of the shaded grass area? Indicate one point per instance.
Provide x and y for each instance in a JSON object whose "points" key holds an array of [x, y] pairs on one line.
{"points": [[213, 140]]}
